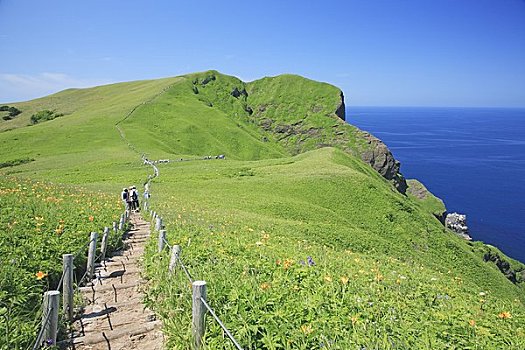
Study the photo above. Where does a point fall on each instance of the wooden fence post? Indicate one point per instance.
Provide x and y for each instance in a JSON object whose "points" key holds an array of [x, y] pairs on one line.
{"points": [[122, 222], [104, 244], [162, 238], [91, 255], [115, 226], [50, 314], [158, 224], [67, 286], [175, 253], [198, 312]]}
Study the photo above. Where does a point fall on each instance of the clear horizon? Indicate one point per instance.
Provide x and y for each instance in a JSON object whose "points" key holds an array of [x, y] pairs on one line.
{"points": [[424, 53]]}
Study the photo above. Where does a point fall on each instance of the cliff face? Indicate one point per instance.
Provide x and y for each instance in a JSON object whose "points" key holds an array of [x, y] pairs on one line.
{"points": [[382, 160], [341, 110]]}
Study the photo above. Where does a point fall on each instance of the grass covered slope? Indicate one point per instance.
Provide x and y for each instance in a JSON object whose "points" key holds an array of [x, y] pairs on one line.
{"points": [[83, 145], [184, 123], [420, 194], [386, 273], [294, 184], [269, 117]]}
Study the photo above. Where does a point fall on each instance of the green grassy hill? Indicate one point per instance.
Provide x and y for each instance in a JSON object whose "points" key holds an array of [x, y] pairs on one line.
{"points": [[297, 182]]}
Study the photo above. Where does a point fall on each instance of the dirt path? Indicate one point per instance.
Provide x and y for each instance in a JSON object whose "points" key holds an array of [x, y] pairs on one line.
{"points": [[114, 317]]}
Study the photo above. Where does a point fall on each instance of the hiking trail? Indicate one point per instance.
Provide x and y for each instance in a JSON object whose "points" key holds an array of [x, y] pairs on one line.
{"points": [[114, 316]]}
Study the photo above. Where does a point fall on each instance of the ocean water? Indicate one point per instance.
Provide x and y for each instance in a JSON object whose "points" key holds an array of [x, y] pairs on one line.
{"points": [[472, 158]]}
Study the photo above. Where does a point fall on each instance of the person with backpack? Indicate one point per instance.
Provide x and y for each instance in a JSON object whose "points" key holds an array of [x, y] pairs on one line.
{"points": [[125, 198], [135, 199]]}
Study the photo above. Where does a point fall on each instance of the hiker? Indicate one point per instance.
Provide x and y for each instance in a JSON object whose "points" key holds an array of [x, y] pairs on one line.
{"points": [[129, 200], [135, 199], [125, 198]]}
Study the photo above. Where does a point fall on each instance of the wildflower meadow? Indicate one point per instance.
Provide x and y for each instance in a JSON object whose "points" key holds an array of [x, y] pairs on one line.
{"points": [[38, 223]]}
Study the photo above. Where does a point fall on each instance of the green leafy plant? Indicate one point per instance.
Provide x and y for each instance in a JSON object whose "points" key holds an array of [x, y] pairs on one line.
{"points": [[43, 116]]}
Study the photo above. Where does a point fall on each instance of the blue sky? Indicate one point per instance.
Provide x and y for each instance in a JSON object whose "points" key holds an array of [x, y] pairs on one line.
{"points": [[380, 52]]}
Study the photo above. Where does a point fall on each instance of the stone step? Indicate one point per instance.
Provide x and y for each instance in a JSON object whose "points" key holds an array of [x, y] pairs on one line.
{"points": [[110, 304], [115, 334], [111, 287]]}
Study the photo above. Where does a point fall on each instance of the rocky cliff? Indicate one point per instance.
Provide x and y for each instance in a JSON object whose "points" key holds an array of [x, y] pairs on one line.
{"points": [[382, 160], [341, 109]]}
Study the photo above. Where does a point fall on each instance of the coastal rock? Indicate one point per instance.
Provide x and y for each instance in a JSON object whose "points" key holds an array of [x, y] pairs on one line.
{"points": [[458, 223], [382, 160]]}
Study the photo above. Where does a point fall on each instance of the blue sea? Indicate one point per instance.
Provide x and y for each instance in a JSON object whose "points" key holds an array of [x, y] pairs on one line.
{"points": [[472, 158]]}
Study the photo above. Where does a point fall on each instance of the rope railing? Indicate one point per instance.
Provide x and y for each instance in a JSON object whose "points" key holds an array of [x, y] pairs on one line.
{"points": [[49, 325], [61, 279], [167, 243], [210, 310], [81, 281], [183, 267], [82, 248], [177, 261], [186, 271], [38, 342], [199, 287]]}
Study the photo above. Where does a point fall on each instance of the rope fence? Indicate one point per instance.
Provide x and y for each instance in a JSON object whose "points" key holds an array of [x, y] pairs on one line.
{"points": [[47, 334], [38, 342], [200, 304], [210, 310]]}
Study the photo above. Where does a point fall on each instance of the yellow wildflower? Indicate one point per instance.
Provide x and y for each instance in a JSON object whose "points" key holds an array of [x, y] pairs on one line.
{"points": [[265, 286], [344, 280], [39, 275], [354, 319], [287, 263], [328, 278], [306, 329], [504, 315]]}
